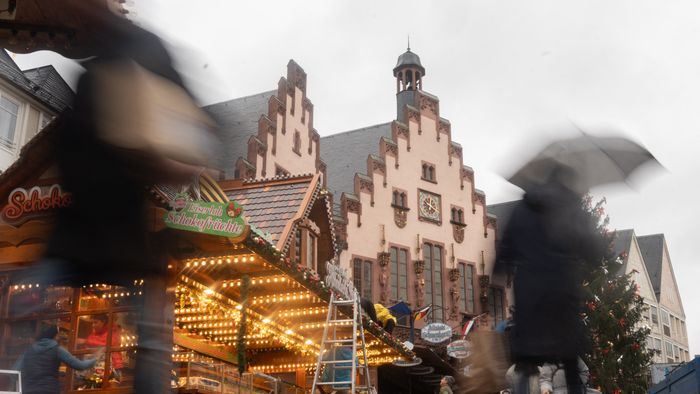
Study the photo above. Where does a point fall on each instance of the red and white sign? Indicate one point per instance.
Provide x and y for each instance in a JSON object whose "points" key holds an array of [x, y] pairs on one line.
{"points": [[23, 204]]}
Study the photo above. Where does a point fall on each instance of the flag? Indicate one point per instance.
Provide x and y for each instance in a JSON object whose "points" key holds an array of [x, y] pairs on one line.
{"points": [[422, 313], [467, 327]]}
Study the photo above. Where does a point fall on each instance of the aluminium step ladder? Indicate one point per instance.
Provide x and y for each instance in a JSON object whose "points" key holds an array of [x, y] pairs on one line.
{"points": [[332, 346]]}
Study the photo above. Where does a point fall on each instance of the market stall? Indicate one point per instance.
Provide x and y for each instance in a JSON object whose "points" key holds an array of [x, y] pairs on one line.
{"points": [[266, 273]]}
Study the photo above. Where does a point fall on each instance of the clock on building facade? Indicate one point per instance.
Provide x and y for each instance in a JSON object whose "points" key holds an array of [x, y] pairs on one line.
{"points": [[429, 206]]}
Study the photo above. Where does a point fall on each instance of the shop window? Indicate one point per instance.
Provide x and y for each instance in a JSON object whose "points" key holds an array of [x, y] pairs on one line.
{"points": [[428, 172], [496, 304], [399, 199], [399, 273], [362, 277], [9, 110], [432, 258], [466, 286], [90, 318]]}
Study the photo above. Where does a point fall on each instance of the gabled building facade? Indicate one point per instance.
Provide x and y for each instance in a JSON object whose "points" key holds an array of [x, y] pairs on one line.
{"points": [[268, 134], [29, 100], [412, 225]]}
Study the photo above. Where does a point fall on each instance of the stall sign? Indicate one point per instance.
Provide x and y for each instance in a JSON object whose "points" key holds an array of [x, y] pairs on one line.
{"points": [[214, 218], [458, 348], [23, 204], [338, 281], [436, 332]]}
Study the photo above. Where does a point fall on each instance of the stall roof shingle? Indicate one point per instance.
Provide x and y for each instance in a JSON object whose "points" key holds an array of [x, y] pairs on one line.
{"points": [[270, 206]]}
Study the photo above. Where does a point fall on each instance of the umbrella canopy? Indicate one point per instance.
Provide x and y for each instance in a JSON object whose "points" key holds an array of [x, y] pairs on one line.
{"points": [[584, 162]]}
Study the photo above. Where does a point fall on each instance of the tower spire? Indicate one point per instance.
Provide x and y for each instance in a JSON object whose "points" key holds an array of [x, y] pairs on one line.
{"points": [[408, 38]]}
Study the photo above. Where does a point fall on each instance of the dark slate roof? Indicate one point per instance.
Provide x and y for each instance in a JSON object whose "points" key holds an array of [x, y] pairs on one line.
{"points": [[54, 89], [345, 154], [502, 211], [51, 93], [270, 206], [238, 121], [652, 247], [623, 240]]}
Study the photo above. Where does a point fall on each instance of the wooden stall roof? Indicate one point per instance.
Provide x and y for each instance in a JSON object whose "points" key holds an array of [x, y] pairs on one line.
{"points": [[286, 302]]}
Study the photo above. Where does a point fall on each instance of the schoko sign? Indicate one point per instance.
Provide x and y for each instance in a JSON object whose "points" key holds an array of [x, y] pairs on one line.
{"points": [[23, 204]]}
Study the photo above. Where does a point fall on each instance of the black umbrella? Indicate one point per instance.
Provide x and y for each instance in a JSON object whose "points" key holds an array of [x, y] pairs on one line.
{"points": [[585, 161]]}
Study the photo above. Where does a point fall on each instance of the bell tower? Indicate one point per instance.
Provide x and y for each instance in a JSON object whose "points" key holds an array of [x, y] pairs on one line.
{"points": [[409, 74]]}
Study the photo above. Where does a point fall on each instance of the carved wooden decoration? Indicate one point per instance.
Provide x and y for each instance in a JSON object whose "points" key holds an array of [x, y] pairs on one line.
{"points": [[400, 217], [454, 275], [419, 266], [384, 258]]}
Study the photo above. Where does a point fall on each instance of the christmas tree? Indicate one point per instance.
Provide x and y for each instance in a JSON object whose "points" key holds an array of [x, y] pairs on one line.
{"points": [[619, 359]]}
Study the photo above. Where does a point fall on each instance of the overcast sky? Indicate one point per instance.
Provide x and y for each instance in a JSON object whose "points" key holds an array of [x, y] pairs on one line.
{"points": [[507, 73]]}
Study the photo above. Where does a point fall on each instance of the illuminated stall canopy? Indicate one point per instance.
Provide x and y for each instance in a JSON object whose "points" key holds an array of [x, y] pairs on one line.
{"points": [[291, 237]]}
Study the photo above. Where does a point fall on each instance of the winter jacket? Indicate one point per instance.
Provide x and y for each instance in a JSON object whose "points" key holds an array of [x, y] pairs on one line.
{"points": [[39, 366], [512, 378], [445, 390], [552, 377], [383, 314]]}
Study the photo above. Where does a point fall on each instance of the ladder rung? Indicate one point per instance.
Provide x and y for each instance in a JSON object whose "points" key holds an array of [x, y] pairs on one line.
{"points": [[341, 321], [338, 341], [340, 382], [336, 362], [343, 302]]}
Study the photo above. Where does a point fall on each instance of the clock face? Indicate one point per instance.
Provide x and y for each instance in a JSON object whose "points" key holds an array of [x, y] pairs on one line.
{"points": [[429, 206]]}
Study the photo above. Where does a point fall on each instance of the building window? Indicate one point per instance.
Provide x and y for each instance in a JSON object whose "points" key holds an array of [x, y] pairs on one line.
{"points": [[666, 323], [654, 316], [297, 143], [669, 351], [466, 286], [684, 334], [9, 109], [428, 172], [496, 304], [399, 273], [432, 257], [457, 215], [310, 250], [399, 199], [362, 277]]}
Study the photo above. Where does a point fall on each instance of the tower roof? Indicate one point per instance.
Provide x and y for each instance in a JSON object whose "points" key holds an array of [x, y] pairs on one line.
{"points": [[408, 59]]}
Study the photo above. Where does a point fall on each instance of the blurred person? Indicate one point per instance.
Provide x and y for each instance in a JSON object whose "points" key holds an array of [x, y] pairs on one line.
{"points": [[379, 314], [40, 364], [547, 243], [446, 384], [133, 124]]}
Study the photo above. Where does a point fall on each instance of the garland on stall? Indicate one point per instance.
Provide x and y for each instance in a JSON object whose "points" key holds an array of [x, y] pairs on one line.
{"points": [[310, 279], [240, 343]]}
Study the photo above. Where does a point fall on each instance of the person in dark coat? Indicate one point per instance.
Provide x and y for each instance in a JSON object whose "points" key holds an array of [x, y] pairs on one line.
{"points": [[39, 364], [547, 243]]}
